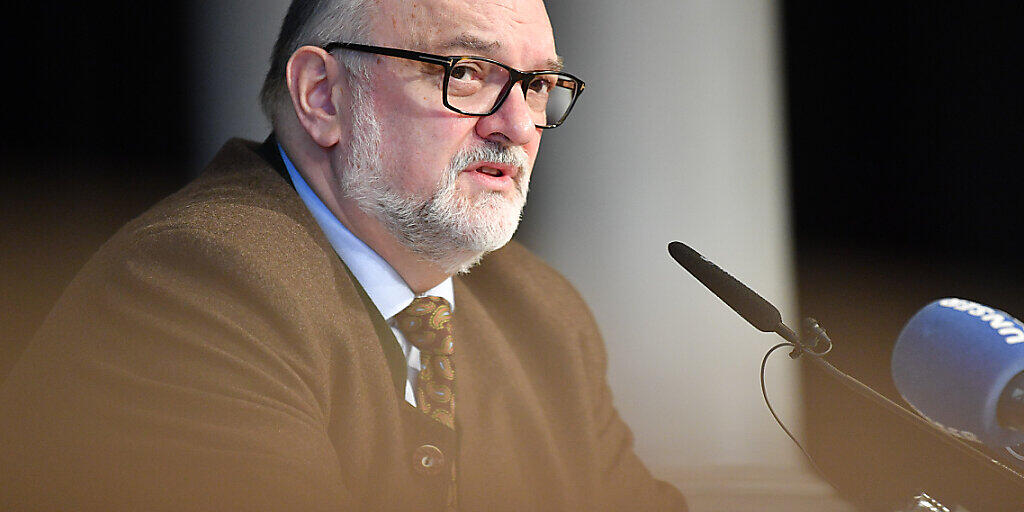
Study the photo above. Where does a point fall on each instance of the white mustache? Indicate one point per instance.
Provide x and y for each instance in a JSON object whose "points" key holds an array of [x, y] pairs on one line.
{"points": [[491, 152]]}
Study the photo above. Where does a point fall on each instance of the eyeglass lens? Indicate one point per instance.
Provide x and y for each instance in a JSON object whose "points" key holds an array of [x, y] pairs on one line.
{"points": [[475, 86]]}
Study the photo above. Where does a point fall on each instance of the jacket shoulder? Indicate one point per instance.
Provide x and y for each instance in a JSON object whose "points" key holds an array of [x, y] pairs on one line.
{"points": [[518, 270], [235, 243], [239, 208], [517, 285]]}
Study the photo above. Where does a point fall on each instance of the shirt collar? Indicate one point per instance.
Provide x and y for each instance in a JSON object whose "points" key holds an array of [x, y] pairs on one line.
{"points": [[378, 278]]}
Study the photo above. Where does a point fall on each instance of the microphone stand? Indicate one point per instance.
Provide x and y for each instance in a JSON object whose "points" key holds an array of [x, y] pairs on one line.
{"points": [[818, 337], [765, 317]]}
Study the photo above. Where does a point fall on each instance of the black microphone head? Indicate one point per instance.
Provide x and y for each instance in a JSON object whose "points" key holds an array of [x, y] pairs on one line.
{"points": [[751, 306]]}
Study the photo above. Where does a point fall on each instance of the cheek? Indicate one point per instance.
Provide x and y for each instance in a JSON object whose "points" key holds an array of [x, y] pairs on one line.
{"points": [[416, 158], [433, 145]]}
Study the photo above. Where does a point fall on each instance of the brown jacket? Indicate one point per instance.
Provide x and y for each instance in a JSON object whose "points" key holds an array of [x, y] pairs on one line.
{"points": [[216, 354]]}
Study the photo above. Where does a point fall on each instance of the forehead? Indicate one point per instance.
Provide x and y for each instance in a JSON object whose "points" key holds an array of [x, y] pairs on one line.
{"points": [[517, 32]]}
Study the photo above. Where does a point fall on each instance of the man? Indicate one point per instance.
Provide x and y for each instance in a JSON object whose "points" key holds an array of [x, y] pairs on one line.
{"points": [[285, 332]]}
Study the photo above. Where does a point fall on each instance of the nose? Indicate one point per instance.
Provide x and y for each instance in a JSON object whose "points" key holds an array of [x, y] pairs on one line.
{"points": [[512, 123]]}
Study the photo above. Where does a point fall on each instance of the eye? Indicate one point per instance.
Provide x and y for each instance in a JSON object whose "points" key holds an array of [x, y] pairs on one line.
{"points": [[467, 78], [542, 84], [466, 71]]}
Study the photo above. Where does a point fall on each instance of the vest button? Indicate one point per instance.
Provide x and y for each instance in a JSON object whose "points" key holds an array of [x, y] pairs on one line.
{"points": [[428, 459]]}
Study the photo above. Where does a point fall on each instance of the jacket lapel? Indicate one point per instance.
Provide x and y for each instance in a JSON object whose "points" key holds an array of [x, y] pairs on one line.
{"points": [[270, 153]]}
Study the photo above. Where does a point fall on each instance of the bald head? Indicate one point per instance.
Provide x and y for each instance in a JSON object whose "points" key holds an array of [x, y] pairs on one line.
{"points": [[419, 23]]}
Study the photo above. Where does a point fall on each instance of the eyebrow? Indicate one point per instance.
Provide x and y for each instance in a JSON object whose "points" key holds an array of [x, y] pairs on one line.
{"points": [[476, 44]]}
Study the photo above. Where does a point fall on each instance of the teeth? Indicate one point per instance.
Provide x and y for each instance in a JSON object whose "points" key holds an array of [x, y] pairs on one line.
{"points": [[489, 171]]}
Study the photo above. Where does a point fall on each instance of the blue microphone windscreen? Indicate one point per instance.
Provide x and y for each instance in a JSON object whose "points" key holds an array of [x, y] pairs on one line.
{"points": [[952, 361]]}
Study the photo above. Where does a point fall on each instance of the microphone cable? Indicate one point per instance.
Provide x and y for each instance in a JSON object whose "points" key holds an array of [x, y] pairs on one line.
{"points": [[819, 336]]}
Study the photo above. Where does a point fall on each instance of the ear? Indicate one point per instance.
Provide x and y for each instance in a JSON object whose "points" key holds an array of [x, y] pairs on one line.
{"points": [[315, 82]]}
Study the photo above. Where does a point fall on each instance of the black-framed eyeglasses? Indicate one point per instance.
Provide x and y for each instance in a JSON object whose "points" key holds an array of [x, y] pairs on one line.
{"points": [[477, 86]]}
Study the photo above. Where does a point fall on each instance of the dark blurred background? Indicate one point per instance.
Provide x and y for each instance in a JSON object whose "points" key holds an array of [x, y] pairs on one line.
{"points": [[93, 133], [905, 143], [906, 133]]}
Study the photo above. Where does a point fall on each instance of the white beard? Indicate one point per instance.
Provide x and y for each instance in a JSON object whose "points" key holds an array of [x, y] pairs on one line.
{"points": [[445, 228]]}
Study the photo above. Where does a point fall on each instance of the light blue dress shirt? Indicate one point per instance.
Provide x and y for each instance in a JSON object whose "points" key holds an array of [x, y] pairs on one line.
{"points": [[386, 289]]}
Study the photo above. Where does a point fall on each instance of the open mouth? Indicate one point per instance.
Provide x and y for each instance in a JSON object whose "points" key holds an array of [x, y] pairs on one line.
{"points": [[494, 169], [491, 171]]}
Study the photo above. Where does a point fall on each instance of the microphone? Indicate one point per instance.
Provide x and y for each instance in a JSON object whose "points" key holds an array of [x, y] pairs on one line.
{"points": [[961, 366], [752, 307]]}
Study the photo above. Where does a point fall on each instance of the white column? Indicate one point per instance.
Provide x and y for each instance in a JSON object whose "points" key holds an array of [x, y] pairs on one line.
{"points": [[679, 136]]}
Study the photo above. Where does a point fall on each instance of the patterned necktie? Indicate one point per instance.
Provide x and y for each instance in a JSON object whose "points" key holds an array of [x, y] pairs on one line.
{"points": [[426, 323]]}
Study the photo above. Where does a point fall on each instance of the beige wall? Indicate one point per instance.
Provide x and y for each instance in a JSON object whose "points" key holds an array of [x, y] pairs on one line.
{"points": [[679, 136]]}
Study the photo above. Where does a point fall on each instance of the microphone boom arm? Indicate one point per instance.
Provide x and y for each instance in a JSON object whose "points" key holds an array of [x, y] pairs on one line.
{"points": [[766, 318]]}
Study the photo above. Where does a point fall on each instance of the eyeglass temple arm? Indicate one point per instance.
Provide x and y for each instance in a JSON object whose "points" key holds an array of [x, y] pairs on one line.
{"points": [[391, 52]]}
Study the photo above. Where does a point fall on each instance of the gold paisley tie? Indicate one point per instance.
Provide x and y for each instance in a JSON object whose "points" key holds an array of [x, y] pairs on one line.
{"points": [[426, 323]]}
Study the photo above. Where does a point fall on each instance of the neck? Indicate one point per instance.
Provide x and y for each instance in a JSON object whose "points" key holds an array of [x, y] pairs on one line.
{"points": [[419, 274]]}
